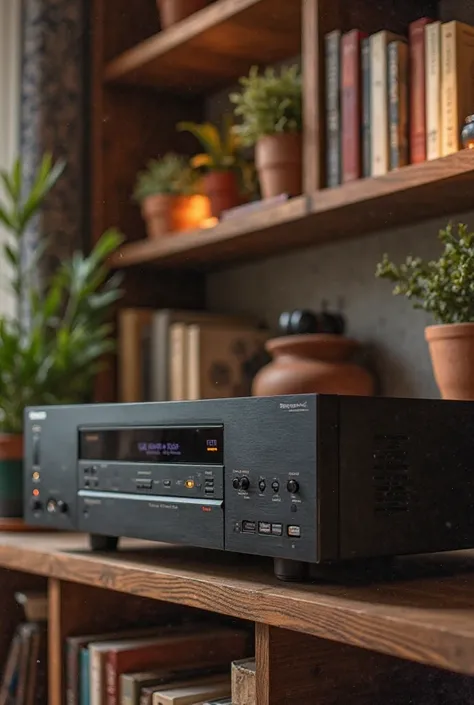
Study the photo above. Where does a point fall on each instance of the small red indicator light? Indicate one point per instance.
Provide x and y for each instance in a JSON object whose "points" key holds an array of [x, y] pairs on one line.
{"points": [[36, 493], [206, 509]]}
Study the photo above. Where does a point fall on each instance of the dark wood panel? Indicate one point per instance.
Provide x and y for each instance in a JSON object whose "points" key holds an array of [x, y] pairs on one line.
{"points": [[294, 667], [213, 47], [401, 197], [423, 613]]}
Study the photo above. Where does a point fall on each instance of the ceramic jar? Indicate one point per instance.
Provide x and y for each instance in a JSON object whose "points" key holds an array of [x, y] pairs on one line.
{"points": [[317, 363]]}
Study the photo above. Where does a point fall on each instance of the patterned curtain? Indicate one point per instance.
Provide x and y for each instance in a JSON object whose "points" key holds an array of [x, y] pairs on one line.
{"points": [[53, 109]]}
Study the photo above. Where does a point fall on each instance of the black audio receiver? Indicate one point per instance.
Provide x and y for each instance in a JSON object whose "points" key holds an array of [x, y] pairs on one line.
{"points": [[303, 479]]}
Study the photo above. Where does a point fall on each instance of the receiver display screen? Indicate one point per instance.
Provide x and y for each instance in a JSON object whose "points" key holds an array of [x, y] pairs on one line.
{"points": [[203, 445]]}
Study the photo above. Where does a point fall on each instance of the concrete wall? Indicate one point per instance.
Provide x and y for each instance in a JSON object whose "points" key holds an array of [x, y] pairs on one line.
{"points": [[343, 275]]}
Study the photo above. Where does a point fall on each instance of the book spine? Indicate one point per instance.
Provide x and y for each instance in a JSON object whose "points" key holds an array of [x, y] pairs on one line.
{"points": [[127, 689], [84, 689], [111, 678], [416, 34], [71, 673], [366, 132], [379, 104], [177, 358], [333, 116], [449, 122], [95, 677], [351, 106], [397, 90], [433, 90]]}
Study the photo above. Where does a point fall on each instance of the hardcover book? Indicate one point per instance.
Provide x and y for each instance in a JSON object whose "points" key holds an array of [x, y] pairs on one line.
{"points": [[351, 106], [416, 35]]}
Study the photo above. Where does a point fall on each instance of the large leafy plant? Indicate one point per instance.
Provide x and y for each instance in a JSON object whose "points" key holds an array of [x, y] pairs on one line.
{"points": [[51, 355], [442, 287], [170, 175], [268, 103]]}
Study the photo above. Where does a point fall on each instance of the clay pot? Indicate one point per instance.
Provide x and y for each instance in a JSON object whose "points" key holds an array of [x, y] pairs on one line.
{"points": [[11, 475], [173, 11], [165, 214], [452, 356], [279, 163], [222, 190], [319, 363]]}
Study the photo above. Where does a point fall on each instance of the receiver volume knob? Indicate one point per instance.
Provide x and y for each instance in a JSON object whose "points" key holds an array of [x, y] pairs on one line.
{"points": [[245, 483], [236, 483], [292, 486]]}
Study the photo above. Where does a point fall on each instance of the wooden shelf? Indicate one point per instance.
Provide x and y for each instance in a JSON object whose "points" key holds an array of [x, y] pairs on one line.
{"points": [[425, 615], [213, 47], [411, 194]]}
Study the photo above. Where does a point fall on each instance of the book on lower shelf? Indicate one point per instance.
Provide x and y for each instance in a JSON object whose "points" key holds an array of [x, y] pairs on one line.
{"points": [[24, 680], [154, 353], [131, 668]]}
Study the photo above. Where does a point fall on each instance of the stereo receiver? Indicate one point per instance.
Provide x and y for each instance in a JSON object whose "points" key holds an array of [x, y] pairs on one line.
{"points": [[303, 479]]}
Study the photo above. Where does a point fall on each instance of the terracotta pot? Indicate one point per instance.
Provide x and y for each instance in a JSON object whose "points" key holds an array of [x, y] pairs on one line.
{"points": [[165, 214], [173, 11], [11, 475], [222, 190], [452, 356], [279, 163], [304, 364]]}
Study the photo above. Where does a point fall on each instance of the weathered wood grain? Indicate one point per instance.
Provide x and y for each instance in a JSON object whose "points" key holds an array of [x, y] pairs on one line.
{"points": [[426, 614]]}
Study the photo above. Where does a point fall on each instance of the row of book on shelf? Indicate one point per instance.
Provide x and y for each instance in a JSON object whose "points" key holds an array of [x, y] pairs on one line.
{"points": [[187, 663], [171, 355], [391, 102]]}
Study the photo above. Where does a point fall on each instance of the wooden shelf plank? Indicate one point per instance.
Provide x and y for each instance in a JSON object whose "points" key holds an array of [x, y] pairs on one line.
{"points": [[425, 615], [249, 235], [213, 47], [414, 193]]}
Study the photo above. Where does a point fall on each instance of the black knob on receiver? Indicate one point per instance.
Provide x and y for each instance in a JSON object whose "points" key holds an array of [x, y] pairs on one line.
{"points": [[245, 483], [62, 506], [236, 483], [292, 486]]}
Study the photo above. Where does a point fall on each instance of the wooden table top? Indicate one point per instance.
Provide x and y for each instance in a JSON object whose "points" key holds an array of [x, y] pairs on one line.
{"points": [[423, 611]]}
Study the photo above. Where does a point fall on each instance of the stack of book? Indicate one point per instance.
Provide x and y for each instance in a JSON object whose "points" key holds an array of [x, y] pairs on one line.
{"points": [[392, 101], [180, 665], [24, 679], [170, 355]]}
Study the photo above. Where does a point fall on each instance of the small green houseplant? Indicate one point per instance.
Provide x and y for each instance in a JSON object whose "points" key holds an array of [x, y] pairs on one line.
{"points": [[226, 174], [51, 355], [168, 193], [443, 288], [269, 107]]}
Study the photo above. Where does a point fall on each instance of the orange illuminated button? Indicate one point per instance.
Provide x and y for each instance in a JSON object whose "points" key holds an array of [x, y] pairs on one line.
{"points": [[189, 484]]}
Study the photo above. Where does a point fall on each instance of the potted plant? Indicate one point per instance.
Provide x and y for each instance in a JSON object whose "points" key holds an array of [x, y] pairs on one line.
{"points": [[445, 289], [270, 108], [226, 173], [51, 355], [168, 193], [173, 11]]}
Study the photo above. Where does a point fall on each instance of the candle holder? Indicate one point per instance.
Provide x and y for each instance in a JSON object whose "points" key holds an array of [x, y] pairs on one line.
{"points": [[467, 134]]}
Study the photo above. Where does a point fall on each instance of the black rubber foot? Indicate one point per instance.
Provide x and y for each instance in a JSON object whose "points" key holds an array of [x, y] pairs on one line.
{"points": [[103, 543], [290, 571]]}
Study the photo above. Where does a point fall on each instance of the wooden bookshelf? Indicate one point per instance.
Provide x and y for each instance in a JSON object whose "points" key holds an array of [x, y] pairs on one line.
{"points": [[402, 197], [213, 47], [424, 614], [334, 641]]}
